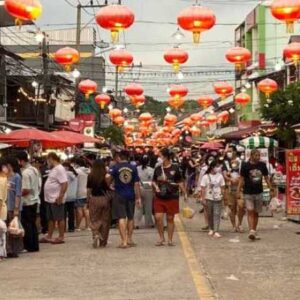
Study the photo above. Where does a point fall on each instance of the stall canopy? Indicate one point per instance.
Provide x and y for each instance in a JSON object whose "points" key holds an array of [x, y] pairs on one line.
{"points": [[259, 142], [24, 137], [75, 137], [212, 146]]}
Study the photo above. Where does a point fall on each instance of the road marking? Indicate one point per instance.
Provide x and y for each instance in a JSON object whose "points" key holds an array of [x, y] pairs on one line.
{"points": [[202, 286]]}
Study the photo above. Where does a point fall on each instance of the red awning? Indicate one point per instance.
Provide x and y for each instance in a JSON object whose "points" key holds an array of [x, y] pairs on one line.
{"points": [[76, 138], [23, 138], [212, 146]]}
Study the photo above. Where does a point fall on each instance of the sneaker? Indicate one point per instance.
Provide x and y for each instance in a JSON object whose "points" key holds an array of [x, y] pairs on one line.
{"points": [[251, 235], [257, 237], [211, 233], [217, 235]]}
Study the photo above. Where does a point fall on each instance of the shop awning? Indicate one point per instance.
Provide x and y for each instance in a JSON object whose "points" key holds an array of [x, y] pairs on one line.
{"points": [[259, 142]]}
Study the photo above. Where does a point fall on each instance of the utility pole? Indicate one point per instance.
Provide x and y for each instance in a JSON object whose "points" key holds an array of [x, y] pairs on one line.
{"points": [[46, 83]]}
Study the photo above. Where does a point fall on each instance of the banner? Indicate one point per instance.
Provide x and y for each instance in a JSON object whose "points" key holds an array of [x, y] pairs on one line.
{"points": [[293, 181]]}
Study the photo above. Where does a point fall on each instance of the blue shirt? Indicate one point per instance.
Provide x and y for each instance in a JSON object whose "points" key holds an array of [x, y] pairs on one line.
{"points": [[125, 175], [14, 190]]}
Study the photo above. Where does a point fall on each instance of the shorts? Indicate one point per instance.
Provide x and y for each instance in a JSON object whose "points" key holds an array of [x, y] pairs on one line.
{"points": [[80, 203], [254, 202], [55, 212], [169, 207], [122, 208]]}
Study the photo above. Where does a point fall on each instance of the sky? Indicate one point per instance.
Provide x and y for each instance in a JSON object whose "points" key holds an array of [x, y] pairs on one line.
{"points": [[151, 34]]}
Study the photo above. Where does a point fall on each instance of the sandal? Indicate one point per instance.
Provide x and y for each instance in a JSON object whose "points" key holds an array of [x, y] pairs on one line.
{"points": [[57, 242], [171, 244], [132, 244], [44, 240], [121, 246], [240, 229], [96, 241], [160, 244]]}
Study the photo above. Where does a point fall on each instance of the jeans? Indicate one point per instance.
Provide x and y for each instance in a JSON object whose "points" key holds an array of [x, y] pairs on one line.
{"points": [[28, 220], [214, 209], [70, 214]]}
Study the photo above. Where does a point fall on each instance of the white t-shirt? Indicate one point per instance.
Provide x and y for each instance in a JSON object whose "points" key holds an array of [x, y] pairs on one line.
{"points": [[82, 182], [212, 184], [146, 176], [31, 181], [56, 177]]}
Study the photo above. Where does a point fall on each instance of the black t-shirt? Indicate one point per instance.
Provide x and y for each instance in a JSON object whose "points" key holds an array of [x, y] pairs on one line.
{"points": [[167, 180], [98, 188], [253, 176]]}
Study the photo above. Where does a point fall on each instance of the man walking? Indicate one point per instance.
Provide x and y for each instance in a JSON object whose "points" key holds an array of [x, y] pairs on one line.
{"points": [[252, 174], [54, 191], [127, 195], [30, 200]]}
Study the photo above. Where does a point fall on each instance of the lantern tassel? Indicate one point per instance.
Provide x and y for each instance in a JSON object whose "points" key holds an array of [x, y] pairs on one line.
{"points": [[68, 68], [289, 27], [196, 37], [18, 23], [114, 36], [176, 67]]}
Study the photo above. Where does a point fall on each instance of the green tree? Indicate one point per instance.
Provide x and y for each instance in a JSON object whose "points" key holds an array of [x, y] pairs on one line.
{"points": [[284, 111], [114, 134]]}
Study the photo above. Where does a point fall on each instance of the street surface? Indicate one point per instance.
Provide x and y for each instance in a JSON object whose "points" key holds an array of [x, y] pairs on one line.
{"points": [[198, 267]]}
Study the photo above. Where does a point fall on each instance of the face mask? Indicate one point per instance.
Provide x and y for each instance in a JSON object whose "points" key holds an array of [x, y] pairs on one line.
{"points": [[5, 170], [210, 161], [242, 157], [229, 155]]}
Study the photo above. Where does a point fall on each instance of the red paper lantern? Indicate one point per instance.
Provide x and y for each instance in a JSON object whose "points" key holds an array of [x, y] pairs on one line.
{"points": [[134, 89], [196, 118], [102, 100], [211, 119], [187, 122], [238, 56], [176, 132], [204, 124], [267, 86], [121, 58], [170, 120], [176, 102], [205, 101], [223, 89], [23, 10], [292, 52], [242, 99], [87, 87], [145, 117], [287, 11], [128, 141], [115, 18], [195, 131], [128, 129], [114, 113], [176, 57], [178, 91], [66, 57], [119, 120], [138, 101], [223, 117], [196, 19]]}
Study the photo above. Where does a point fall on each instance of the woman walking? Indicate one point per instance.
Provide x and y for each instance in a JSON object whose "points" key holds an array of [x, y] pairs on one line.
{"points": [[213, 188], [145, 174], [99, 202], [14, 243], [71, 196]]}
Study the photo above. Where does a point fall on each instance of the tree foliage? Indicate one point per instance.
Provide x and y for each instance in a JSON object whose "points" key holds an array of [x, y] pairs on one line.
{"points": [[114, 134], [283, 112]]}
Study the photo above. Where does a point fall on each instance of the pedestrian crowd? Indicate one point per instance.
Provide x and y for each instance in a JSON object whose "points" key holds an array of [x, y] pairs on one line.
{"points": [[130, 190]]}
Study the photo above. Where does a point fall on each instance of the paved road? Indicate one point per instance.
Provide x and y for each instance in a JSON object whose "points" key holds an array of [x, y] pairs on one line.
{"points": [[268, 269]]}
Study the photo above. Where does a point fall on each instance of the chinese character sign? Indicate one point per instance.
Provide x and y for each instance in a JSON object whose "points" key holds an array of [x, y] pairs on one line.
{"points": [[293, 181]]}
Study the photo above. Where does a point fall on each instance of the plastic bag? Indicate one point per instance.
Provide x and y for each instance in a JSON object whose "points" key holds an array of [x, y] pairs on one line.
{"points": [[188, 212], [275, 205], [3, 228], [15, 227]]}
